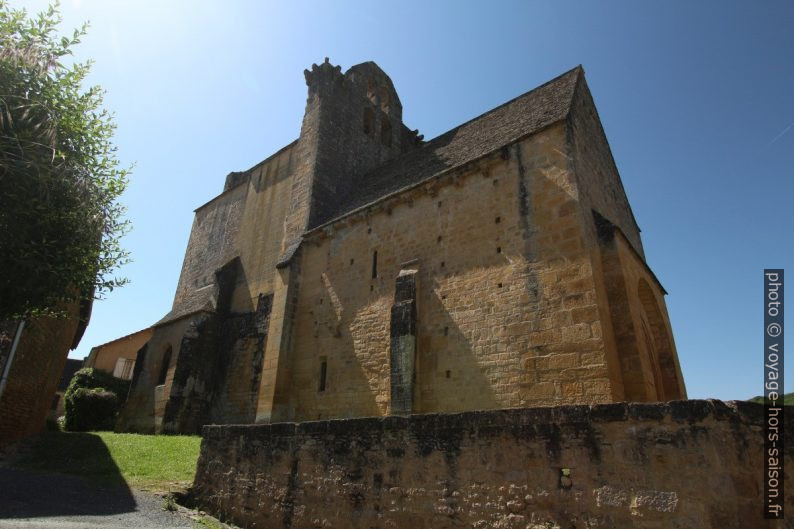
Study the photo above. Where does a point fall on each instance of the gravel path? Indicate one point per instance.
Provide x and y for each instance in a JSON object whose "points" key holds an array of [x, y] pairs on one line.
{"points": [[51, 501]]}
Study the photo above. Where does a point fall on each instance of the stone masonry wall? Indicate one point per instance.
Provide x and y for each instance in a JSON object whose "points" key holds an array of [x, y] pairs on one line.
{"points": [[261, 231], [659, 368], [213, 243], [143, 411], [506, 302], [682, 464]]}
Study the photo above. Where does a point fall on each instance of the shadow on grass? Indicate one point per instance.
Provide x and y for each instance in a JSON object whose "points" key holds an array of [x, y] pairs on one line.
{"points": [[64, 474]]}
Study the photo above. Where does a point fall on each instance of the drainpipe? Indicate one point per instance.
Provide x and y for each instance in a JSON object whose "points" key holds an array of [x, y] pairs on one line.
{"points": [[10, 359]]}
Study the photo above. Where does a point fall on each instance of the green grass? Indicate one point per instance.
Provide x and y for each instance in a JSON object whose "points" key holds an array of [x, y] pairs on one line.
{"points": [[788, 399], [146, 462], [207, 522]]}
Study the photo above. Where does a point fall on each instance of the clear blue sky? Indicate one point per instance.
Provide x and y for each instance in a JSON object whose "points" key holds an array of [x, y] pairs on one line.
{"points": [[695, 97]]}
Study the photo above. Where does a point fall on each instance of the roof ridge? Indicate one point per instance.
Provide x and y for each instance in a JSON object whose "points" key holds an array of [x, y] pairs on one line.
{"points": [[527, 113], [429, 143], [506, 103], [123, 337]]}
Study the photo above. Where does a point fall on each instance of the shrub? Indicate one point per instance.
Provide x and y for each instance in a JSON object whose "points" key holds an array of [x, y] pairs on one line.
{"points": [[88, 377], [91, 409], [92, 400]]}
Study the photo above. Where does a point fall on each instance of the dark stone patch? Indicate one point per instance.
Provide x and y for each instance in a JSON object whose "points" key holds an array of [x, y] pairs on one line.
{"points": [[279, 429], [751, 412], [691, 411], [571, 414], [312, 428], [551, 433], [609, 412], [395, 451], [288, 504], [648, 412], [403, 344], [605, 230]]}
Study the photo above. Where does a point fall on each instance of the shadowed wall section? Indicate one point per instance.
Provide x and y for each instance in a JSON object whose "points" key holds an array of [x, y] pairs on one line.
{"points": [[609, 465]]}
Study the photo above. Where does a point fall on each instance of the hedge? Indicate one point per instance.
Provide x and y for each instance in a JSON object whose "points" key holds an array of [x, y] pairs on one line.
{"points": [[93, 399], [91, 409]]}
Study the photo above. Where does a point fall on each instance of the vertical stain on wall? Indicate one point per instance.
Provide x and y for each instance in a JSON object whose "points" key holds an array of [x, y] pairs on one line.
{"points": [[403, 342]]}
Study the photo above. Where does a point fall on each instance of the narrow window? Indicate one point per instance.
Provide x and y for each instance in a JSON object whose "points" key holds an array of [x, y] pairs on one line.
{"points": [[374, 264], [369, 119], [385, 133], [384, 101], [323, 373], [371, 86], [164, 369]]}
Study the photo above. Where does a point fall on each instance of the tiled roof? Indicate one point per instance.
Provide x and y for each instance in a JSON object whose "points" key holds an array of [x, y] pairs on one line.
{"points": [[520, 117], [196, 301]]}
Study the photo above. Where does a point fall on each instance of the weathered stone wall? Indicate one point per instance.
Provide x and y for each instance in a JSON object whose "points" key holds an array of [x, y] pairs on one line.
{"points": [[235, 240], [216, 380], [506, 300], [213, 243], [241, 354], [145, 406], [682, 464], [261, 231], [352, 123], [648, 358]]}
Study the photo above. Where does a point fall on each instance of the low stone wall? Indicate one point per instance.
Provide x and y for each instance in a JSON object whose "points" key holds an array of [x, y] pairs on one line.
{"points": [[679, 464]]}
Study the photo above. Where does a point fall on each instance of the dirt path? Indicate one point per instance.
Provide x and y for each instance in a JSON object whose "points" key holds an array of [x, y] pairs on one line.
{"points": [[51, 501]]}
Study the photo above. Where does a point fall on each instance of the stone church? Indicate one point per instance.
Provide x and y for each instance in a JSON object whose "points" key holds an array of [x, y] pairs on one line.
{"points": [[363, 271]]}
